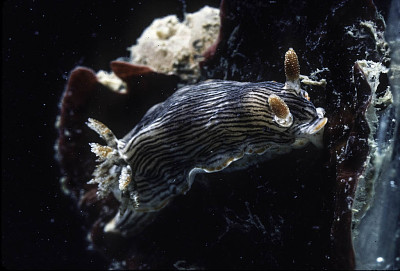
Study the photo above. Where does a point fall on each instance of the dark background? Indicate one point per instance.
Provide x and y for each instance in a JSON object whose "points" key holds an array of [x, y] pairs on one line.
{"points": [[42, 41]]}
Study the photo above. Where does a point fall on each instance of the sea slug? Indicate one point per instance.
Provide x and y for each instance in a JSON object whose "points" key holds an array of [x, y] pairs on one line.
{"points": [[205, 127]]}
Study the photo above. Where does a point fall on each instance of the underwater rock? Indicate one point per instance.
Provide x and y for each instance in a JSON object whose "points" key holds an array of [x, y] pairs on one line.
{"points": [[172, 47], [291, 212]]}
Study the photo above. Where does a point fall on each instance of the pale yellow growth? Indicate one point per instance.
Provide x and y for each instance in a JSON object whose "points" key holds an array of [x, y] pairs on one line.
{"points": [[174, 47], [110, 80]]}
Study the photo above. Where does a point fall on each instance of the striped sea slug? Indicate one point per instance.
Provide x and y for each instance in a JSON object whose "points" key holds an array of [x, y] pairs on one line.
{"points": [[205, 127]]}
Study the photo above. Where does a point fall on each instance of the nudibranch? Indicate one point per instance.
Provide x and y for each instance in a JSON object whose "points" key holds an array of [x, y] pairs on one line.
{"points": [[205, 127]]}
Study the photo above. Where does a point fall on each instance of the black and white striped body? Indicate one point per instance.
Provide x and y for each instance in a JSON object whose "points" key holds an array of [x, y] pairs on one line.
{"points": [[204, 128]]}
